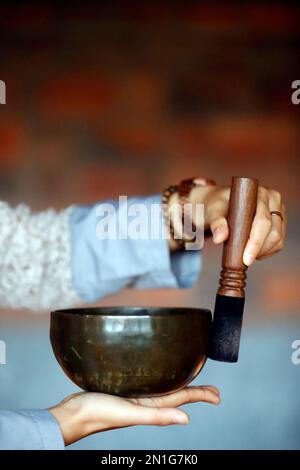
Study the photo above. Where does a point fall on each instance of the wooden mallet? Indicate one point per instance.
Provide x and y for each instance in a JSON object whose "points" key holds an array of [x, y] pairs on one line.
{"points": [[230, 299]]}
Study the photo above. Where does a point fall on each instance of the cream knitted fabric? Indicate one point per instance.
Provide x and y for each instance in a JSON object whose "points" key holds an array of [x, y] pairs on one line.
{"points": [[35, 259]]}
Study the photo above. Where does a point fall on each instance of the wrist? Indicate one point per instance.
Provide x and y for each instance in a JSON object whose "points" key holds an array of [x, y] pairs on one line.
{"points": [[201, 195], [72, 424], [174, 204], [192, 192]]}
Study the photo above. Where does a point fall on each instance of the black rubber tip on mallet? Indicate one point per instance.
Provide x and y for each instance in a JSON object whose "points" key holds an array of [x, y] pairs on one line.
{"points": [[228, 314], [226, 329]]}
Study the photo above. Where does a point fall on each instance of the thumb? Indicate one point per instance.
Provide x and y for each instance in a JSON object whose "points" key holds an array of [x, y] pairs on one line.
{"points": [[157, 416]]}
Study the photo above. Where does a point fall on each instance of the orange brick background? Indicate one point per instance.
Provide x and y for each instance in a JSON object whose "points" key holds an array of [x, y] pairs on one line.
{"points": [[129, 98]]}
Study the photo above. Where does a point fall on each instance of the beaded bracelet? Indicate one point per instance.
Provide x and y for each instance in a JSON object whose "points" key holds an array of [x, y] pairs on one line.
{"points": [[184, 191]]}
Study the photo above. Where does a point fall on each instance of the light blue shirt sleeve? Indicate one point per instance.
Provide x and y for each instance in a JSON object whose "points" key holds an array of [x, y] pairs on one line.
{"points": [[102, 266], [29, 430]]}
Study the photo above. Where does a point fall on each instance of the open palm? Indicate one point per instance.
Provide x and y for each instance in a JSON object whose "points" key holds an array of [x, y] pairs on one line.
{"points": [[82, 414]]}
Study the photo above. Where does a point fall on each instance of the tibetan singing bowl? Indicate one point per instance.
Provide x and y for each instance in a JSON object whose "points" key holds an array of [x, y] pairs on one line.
{"points": [[131, 351]]}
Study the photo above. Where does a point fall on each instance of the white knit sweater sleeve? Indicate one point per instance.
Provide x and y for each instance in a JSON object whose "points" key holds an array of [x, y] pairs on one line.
{"points": [[35, 259]]}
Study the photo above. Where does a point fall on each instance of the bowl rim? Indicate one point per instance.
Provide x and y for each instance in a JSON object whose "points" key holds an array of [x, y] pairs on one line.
{"points": [[139, 311]]}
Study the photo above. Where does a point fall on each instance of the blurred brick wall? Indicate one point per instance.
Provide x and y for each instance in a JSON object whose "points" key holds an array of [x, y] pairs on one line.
{"points": [[127, 99]]}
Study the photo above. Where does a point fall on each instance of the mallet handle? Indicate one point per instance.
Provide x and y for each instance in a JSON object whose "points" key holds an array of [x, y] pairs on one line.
{"points": [[242, 207]]}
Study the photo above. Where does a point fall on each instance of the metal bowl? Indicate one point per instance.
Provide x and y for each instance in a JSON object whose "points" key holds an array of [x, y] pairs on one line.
{"points": [[131, 351]]}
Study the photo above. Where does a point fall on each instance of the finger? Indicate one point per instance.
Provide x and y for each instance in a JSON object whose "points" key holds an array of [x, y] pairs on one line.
{"points": [[274, 237], [216, 213], [208, 394], [155, 416], [278, 247], [185, 395], [219, 229], [268, 255], [261, 227]]}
